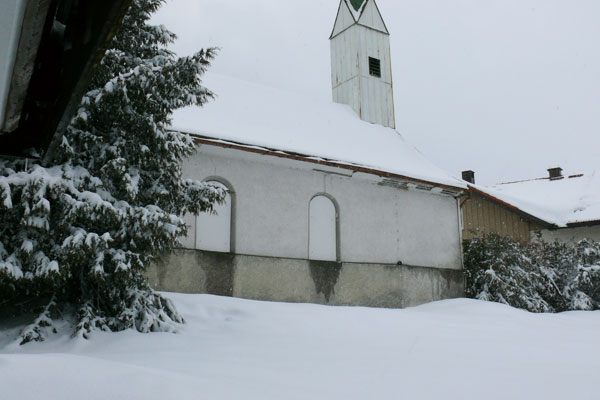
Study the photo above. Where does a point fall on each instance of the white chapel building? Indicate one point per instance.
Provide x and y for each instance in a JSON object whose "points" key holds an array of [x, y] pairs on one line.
{"points": [[327, 202]]}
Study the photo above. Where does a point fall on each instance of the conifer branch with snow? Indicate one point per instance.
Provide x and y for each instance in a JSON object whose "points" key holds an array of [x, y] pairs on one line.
{"points": [[83, 230]]}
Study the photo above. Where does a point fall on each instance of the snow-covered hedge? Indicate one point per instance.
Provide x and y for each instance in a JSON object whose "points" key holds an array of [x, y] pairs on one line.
{"points": [[539, 277]]}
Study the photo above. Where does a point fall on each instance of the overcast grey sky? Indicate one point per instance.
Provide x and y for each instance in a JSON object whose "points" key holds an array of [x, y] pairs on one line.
{"points": [[505, 87]]}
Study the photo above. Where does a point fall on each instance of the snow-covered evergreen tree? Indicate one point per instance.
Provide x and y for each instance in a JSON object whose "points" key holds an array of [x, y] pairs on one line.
{"points": [[82, 231], [538, 277], [575, 273]]}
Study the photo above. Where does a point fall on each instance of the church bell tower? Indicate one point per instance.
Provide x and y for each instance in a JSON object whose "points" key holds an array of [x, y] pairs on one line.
{"points": [[361, 68]]}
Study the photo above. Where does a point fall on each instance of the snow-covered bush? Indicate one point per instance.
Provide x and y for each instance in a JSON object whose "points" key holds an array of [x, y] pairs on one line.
{"points": [[539, 277], [80, 232], [498, 269], [579, 279]]}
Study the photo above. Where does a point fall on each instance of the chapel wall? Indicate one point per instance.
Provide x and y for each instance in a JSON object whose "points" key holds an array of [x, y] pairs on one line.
{"points": [[396, 247], [377, 224]]}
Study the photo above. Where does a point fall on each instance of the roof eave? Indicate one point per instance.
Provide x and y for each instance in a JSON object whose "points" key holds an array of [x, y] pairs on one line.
{"points": [[458, 191]]}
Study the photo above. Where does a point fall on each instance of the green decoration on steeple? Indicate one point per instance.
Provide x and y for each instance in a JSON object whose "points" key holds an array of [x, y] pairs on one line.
{"points": [[356, 4]]}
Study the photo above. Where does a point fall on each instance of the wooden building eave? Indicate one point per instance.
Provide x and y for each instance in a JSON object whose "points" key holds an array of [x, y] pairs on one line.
{"points": [[61, 43], [516, 210]]}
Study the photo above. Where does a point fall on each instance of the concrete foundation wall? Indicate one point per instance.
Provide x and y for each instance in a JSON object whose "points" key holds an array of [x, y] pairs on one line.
{"points": [[297, 280]]}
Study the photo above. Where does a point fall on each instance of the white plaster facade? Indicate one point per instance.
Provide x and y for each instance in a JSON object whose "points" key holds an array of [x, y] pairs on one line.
{"points": [[376, 224]]}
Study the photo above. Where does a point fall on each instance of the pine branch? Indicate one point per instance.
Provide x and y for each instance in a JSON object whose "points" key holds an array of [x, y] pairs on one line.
{"points": [[38, 330]]}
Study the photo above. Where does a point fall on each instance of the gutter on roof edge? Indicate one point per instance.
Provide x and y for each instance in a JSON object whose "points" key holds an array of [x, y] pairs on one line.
{"points": [[306, 158], [582, 224]]}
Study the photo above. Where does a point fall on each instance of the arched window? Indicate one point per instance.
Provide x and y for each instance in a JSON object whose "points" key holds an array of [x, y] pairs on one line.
{"points": [[322, 239], [213, 231]]}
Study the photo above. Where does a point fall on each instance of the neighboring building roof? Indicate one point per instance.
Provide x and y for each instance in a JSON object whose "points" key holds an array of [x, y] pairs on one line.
{"points": [[508, 203], [254, 115], [11, 15], [49, 50], [565, 202]]}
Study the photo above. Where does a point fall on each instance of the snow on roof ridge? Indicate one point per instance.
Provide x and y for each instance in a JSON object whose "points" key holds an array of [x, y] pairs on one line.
{"points": [[521, 181], [545, 178]]}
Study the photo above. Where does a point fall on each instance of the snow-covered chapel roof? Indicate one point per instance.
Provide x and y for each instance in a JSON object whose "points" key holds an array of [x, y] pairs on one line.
{"points": [[255, 115]]}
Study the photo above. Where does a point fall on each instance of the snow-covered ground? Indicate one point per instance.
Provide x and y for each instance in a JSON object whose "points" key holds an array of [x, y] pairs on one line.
{"points": [[239, 349]]}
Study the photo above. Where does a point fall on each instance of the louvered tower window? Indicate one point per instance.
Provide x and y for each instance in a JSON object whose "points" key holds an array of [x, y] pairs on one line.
{"points": [[374, 67]]}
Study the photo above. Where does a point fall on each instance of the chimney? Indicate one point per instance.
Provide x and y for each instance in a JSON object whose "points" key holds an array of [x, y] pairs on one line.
{"points": [[469, 176], [555, 173]]}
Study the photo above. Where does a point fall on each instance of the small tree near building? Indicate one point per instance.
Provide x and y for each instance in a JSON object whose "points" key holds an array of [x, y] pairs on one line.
{"points": [[80, 233]]}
